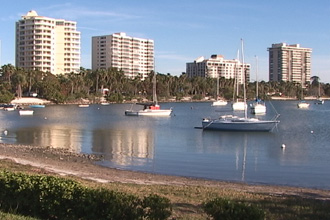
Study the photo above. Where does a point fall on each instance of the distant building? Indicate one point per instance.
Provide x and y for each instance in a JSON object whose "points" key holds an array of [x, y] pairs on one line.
{"points": [[217, 66], [47, 44], [132, 55], [289, 63]]}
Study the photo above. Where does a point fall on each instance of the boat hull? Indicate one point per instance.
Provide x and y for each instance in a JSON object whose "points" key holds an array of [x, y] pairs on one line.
{"points": [[25, 112], [149, 112], [224, 125], [239, 106], [258, 109], [131, 113], [303, 105], [219, 103], [37, 106]]}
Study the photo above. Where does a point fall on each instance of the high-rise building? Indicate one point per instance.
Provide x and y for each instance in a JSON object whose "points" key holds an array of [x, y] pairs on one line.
{"points": [[289, 63], [133, 56], [217, 66], [47, 44]]}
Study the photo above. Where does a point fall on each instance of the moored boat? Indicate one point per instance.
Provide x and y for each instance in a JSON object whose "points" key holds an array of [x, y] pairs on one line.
{"points": [[234, 123], [150, 109], [303, 104], [25, 112], [83, 106], [37, 106]]}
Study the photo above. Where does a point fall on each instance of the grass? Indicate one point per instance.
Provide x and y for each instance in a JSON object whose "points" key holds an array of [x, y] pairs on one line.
{"points": [[187, 200]]}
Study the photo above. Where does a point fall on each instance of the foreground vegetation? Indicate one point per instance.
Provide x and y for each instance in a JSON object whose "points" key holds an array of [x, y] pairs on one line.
{"points": [[192, 202], [89, 85]]}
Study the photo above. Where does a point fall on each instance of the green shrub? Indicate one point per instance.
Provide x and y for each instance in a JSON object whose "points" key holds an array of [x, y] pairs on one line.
{"points": [[48, 197], [156, 207], [224, 209]]}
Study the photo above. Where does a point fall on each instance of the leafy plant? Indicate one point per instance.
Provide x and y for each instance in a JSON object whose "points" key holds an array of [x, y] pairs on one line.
{"points": [[224, 209]]}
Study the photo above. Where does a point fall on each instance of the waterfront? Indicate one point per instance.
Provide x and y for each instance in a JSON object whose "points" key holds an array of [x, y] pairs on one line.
{"points": [[173, 146]]}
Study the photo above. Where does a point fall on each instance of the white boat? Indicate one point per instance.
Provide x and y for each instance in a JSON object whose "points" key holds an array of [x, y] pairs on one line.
{"points": [[150, 109], [9, 107], [25, 112], [258, 106], [219, 102], [234, 123], [239, 106], [83, 105], [105, 103], [302, 104]]}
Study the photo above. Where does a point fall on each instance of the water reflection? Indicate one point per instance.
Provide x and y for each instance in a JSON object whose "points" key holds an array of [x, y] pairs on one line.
{"points": [[120, 146]]}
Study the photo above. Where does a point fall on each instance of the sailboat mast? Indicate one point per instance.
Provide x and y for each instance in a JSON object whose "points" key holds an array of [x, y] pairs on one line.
{"points": [[154, 94], [257, 89], [243, 78], [217, 88]]}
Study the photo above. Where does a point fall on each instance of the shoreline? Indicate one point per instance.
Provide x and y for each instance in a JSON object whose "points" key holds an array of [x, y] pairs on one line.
{"points": [[31, 101], [64, 163]]}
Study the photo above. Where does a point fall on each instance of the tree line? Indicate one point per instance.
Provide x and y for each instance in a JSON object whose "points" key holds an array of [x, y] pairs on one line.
{"points": [[88, 84]]}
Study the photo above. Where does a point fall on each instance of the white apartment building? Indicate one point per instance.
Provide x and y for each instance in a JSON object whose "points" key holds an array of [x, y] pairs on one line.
{"points": [[217, 66], [47, 44], [134, 56], [289, 63]]}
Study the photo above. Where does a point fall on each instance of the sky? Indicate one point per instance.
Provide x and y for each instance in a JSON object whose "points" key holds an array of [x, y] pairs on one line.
{"points": [[184, 30]]}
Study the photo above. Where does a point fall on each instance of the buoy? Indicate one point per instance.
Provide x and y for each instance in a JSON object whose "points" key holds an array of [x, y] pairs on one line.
{"points": [[312, 132], [5, 132], [45, 118], [283, 146]]}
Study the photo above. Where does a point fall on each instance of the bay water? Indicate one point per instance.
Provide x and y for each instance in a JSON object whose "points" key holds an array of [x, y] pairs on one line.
{"points": [[177, 146]]}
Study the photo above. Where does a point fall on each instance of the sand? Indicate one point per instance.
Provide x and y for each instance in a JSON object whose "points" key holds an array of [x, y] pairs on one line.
{"points": [[62, 162]]}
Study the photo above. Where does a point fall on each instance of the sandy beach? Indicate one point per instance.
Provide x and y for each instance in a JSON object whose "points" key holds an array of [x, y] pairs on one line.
{"points": [[29, 101], [64, 163]]}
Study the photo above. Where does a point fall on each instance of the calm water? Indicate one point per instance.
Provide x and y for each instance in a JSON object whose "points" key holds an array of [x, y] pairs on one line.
{"points": [[174, 146]]}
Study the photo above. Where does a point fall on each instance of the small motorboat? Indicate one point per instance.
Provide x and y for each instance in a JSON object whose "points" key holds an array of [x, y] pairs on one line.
{"points": [[37, 106], [25, 112]]}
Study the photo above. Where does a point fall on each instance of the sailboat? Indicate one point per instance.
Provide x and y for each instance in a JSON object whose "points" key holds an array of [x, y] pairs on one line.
{"points": [[234, 123], [258, 107], [219, 102], [302, 103], [238, 105], [319, 100], [150, 109]]}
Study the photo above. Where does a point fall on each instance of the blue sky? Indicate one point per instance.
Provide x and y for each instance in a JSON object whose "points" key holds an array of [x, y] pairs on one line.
{"points": [[186, 29]]}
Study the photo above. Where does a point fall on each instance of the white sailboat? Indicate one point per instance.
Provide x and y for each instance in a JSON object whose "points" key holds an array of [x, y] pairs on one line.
{"points": [[319, 100], [258, 107], [150, 109], [234, 123], [238, 105], [219, 102], [302, 104]]}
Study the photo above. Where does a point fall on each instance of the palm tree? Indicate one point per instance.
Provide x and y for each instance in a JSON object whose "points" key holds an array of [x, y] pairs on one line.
{"points": [[7, 71], [19, 80]]}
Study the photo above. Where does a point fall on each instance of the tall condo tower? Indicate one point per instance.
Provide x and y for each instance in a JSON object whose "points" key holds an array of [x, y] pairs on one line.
{"points": [[134, 56], [47, 44], [289, 63]]}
